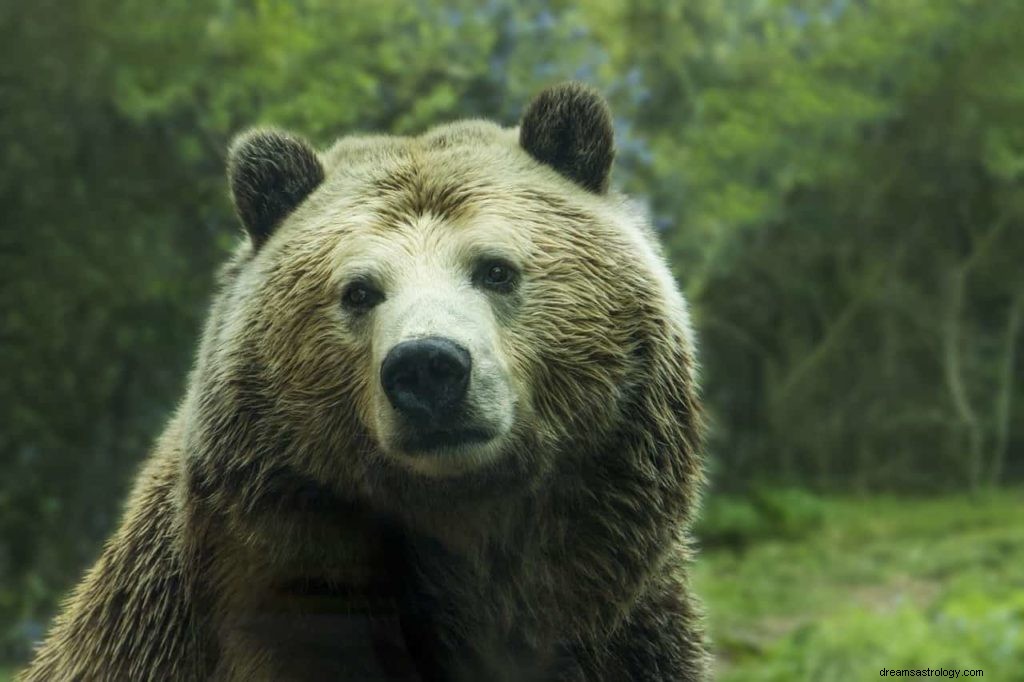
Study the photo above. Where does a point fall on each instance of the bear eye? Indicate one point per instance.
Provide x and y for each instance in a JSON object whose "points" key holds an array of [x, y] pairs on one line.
{"points": [[360, 297], [495, 274]]}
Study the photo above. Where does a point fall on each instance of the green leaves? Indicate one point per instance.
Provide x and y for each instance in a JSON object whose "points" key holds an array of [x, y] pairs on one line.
{"points": [[886, 581], [827, 165], [832, 179]]}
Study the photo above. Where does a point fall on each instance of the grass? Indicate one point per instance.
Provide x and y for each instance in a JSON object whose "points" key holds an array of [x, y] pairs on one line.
{"points": [[869, 583]]}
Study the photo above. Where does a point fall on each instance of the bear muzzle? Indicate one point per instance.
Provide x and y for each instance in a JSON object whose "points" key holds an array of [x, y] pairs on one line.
{"points": [[426, 381]]}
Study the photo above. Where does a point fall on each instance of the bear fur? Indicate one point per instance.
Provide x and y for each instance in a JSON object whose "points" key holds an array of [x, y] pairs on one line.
{"points": [[283, 528]]}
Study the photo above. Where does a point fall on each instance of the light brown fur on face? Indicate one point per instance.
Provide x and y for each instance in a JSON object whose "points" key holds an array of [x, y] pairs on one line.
{"points": [[289, 492]]}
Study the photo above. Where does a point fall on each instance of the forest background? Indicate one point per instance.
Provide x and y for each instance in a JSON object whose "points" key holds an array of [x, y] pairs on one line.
{"points": [[839, 185]]}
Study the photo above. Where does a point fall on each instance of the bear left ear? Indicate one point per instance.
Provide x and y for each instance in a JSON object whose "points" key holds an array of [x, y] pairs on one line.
{"points": [[270, 172], [569, 128]]}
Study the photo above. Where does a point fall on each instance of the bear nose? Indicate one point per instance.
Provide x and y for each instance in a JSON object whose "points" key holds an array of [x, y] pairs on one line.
{"points": [[424, 378]]}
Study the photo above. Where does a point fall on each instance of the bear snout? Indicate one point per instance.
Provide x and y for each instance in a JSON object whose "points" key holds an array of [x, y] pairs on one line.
{"points": [[426, 379]]}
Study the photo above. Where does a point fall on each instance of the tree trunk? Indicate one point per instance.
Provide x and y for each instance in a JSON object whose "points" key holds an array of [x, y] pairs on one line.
{"points": [[955, 382], [1004, 401]]}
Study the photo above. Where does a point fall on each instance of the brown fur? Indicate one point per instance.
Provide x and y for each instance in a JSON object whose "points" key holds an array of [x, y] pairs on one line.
{"points": [[269, 521]]}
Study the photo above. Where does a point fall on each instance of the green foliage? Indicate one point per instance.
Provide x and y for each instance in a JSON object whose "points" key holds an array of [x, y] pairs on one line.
{"points": [[838, 185], [884, 582], [767, 513], [846, 181], [974, 631]]}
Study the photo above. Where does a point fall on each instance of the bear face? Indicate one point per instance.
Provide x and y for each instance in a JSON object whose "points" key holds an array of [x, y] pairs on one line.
{"points": [[455, 314]]}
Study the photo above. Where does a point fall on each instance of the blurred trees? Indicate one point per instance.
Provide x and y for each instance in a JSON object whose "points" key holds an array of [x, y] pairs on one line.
{"points": [[848, 182], [839, 184]]}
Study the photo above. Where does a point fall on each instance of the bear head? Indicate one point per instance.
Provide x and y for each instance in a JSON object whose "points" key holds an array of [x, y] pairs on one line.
{"points": [[435, 320]]}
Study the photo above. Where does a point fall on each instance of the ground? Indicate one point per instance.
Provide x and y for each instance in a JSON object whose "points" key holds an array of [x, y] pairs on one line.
{"points": [[875, 582]]}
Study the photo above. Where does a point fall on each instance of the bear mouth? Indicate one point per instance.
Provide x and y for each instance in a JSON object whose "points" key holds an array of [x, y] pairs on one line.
{"points": [[432, 442]]}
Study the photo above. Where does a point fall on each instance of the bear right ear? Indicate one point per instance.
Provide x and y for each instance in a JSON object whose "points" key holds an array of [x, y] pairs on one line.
{"points": [[270, 172]]}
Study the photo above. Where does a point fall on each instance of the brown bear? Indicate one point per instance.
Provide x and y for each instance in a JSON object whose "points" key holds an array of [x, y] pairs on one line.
{"points": [[442, 425]]}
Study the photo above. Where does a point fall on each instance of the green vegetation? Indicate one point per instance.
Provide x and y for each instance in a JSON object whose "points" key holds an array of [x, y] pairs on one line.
{"points": [[839, 185], [883, 581]]}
